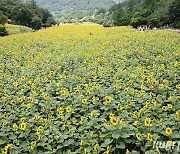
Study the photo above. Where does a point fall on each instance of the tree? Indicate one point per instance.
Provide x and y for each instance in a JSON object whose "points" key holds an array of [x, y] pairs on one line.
{"points": [[154, 22], [50, 21], [118, 15], [36, 23], [3, 19], [137, 21], [22, 15], [174, 13], [3, 31], [26, 13]]}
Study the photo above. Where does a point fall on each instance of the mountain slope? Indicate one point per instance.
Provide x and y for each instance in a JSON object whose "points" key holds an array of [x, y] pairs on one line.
{"points": [[67, 8]]}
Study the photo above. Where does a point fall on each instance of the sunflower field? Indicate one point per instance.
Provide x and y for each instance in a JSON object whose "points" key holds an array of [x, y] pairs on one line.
{"points": [[74, 89]]}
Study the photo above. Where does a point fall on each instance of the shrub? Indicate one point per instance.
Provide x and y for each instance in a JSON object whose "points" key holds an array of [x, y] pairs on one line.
{"points": [[3, 31], [3, 19]]}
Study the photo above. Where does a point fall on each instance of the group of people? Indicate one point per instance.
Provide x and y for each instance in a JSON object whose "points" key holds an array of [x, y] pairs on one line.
{"points": [[143, 28]]}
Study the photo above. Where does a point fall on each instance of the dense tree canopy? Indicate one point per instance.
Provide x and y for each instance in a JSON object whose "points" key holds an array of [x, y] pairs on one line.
{"points": [[3, 18], [150, 12], [26, 13], [174, 13]]}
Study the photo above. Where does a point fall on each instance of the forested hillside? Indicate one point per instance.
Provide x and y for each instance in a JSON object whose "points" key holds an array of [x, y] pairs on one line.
{"points": [[25, 13], [153, 13], [68, 9]]}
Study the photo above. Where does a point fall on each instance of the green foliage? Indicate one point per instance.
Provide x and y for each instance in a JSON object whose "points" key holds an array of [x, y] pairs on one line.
{"points": [[3, 31], [50, 21], [26, 13], [85, 88], [155, 22], [136, 21], [174, 13], [3, 18], [153, 13], [68, 8], [36, 22]]}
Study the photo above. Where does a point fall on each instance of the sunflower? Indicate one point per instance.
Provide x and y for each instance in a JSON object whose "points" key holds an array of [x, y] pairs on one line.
{"points": [[33, 144], [149, 137], [161, 121], [29, 105], [6, 149], [126, 90], [169, 143], [58, 84], [82, 118], [79, 78], [128, 152], [161, 86], [45, 96], [154, 82], [36, 117], [84, 101], [63, 92], [170, 106], [15, 126], [13, 103], [178, 86], [23, 78], [138, 136], [5, 123], [100, 69], [31, 99], [96, 147], [92, 113], [114, 121], [86, 85], [119, 107], [116, 87], [154, 102], [40, 128], [145, 71], [23, 126], [81, 143], [158, 74], [158, 151], [147, 121], [164, 108], [170, 98], [15, 84], [111, 115], [107, 150], [20, 100], [108, 99], [135, 123], [46, 79], [60, 109], [68, 109], [85, 151], [89, 92], [121, 121], [168, 131]]}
